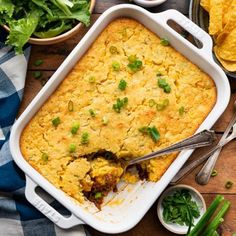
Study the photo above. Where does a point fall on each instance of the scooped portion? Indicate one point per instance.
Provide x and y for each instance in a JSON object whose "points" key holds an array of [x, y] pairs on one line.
{"points": [[129, 95]]}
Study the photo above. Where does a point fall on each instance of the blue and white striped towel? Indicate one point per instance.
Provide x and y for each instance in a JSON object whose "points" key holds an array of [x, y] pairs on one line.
{"points": [[17, 216]]}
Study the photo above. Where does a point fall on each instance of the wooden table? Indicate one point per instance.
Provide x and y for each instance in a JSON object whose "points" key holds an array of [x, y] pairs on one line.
{"points": [[226, 166]]}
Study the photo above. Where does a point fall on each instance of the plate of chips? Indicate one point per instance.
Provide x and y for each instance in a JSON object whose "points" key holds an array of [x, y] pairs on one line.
{"points": [[218, 18]]}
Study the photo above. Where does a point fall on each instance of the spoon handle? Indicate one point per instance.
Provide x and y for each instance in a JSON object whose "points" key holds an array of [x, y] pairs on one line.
{"points": [[205, 173], [201, 139]]}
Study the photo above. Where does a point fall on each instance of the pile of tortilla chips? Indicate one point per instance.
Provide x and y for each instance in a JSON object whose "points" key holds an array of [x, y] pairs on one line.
{"points": [[222, 27]]}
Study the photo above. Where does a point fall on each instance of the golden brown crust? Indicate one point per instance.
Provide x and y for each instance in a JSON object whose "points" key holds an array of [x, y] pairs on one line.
{"points": [[191, 88]]}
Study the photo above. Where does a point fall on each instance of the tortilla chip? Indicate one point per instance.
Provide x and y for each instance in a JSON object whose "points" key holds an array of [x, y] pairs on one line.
{"points": [[216, 16], [228, 65], [205, 4], [227, 10], [231, 24], [227, 50]]}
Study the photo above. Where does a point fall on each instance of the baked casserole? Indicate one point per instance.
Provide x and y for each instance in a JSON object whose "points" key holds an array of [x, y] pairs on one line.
{"points": [[130, 94]]}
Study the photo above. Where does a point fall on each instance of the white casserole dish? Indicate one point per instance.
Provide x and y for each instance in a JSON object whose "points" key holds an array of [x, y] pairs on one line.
{"points": [[128, 206]]}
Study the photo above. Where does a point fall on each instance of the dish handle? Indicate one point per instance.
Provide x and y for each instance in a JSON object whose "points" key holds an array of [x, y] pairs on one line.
{"points": [[188, 25], [46, 209]]}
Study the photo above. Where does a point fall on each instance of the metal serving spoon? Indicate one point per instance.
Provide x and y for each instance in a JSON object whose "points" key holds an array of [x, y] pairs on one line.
{"points": [[205, 173], [214, 152], [201, 139]]}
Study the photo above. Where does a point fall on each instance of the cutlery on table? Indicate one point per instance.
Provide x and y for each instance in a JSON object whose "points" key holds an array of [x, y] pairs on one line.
{"points": [[215, 151]]}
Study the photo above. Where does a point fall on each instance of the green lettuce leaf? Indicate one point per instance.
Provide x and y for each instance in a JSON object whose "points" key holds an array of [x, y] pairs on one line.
{"points": [[6, 7], [21, 30]]}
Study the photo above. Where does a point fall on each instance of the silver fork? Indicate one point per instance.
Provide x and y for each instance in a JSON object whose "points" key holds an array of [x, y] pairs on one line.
{"points": [[205, 173], [185, 170]]}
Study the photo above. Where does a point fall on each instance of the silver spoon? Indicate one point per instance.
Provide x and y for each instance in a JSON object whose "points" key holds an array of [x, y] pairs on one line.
{"points": [[203, 158], [201, 139], [205, 173]]}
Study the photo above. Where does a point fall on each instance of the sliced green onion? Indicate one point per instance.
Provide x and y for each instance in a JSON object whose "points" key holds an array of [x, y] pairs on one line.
{"points": [[92, 79], [161, 106], [113, 50], [229, 184], [214, 173], [38, 62], [116, 66], [164, 85], [70, 106], [44, 157], [37, 74], [120, 103], [206, 216], [92, 112], [122, 85], [181, 110], [132, 58], [74, 128], [151, 102], [56, 121], [165, 42], [217, 220], [151, 131], [98, 195], [84, 138], [72, 148]]}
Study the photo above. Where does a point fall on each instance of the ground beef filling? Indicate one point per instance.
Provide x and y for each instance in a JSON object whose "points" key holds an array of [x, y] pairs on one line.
{"points": [[98, 191]]}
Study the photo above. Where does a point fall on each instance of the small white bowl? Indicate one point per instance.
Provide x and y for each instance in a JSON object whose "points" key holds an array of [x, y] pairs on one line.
{"points": [[196, 196], [149, 3]]}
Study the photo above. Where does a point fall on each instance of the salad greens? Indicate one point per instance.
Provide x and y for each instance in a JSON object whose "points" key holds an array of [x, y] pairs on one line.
{"points": [[41, 18]]}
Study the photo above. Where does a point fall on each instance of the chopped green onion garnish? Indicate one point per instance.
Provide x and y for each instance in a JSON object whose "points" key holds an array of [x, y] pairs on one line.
{"points": [[151, 102], [134, 64], [120, 103], [229, 184], [56, 121], [151, 131], [164, 85], [113, 50], [165, 42], [181, 110], [98, 195], [72, 147], [122, 85], [84, 138], [116, 66], [74, 128], [105, 120], [38, 62], [70, 106], [92, 79], [132, 58], [37, 74], [161, 106], [92, 112], [44, 157], [214, 173]]}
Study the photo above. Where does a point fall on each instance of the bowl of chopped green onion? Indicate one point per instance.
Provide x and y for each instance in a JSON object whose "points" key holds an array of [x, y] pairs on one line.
{"points": [[43, 22], [179, 208]]}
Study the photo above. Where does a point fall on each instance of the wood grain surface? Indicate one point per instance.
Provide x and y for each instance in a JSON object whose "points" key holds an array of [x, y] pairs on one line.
{"points": [[54, 55]]}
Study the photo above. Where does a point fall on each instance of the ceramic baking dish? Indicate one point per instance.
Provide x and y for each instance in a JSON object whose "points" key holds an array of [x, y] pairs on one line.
{"points": [[123, 210]]}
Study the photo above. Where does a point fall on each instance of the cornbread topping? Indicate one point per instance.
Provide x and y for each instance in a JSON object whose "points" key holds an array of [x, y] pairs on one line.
{"points": [[129, 95]]}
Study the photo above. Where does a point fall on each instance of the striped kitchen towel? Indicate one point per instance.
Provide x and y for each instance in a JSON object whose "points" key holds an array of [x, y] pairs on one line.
{"points": [[17, 216]]}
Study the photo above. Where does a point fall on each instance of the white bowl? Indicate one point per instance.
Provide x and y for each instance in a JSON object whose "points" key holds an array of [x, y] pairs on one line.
{"points": [[196, 196], [149, 3]]}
